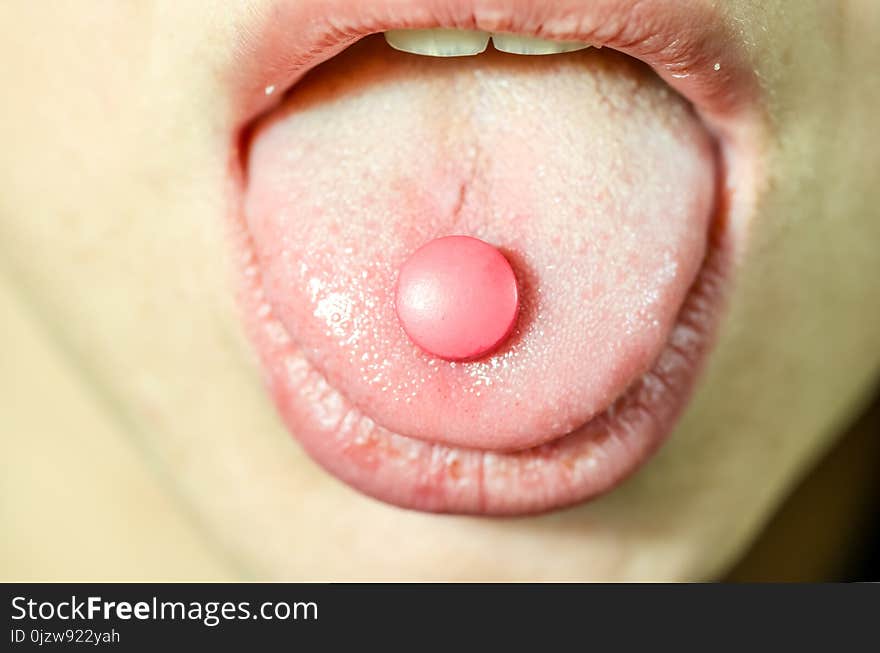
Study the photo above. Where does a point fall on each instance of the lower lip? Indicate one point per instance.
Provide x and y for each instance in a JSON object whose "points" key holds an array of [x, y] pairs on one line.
{"points": [[432, 477]]}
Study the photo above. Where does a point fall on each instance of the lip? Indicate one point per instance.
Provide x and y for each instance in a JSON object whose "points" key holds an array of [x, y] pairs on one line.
{"points": [[689, 48]]}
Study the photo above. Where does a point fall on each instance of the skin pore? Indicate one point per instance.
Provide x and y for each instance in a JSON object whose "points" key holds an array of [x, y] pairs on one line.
{"points": [[114, 246]]}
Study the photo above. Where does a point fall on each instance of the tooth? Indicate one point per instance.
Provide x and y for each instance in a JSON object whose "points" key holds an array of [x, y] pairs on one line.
{"points": [[438, 42], [516, 44]]}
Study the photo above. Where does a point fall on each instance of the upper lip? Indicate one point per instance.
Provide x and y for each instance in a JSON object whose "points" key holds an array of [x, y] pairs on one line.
{"points": [[684, 42]]}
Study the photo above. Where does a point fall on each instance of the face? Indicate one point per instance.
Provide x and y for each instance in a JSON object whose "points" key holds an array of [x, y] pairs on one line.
{"points": [[689, 213]]}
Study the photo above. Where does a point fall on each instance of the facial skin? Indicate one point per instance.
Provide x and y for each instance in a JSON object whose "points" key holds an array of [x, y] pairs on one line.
{"points": [[116, 126]]}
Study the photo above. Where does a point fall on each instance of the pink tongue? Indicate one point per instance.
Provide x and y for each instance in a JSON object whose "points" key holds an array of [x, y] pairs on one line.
{"points": [[593, 178]]}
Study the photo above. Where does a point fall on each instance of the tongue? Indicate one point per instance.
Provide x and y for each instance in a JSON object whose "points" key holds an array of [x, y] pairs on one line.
{"points": [[591, 176]]}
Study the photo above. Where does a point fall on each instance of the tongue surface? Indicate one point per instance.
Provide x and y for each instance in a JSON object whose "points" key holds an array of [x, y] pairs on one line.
{"points": [[586, 171]]}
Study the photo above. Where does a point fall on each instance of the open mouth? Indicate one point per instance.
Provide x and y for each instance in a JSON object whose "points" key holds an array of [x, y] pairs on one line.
{"points": [[606, 149]]}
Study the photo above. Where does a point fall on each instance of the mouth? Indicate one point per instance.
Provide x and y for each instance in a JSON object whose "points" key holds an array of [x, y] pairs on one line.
{"points": [[608, 150]]}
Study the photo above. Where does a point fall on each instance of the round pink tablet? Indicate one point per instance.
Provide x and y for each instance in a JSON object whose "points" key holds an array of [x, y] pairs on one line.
{"points": [[457, 298]]}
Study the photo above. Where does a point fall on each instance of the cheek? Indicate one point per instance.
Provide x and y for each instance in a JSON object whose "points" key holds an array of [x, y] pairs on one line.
{"points": [[800, 351]]}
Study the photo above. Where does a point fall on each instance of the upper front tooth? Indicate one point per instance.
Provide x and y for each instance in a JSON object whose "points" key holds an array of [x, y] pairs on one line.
{"points": [[515, 44], [438, 42]]}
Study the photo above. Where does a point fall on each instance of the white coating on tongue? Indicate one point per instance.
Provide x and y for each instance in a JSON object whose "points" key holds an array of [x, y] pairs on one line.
{"points": [[592, 177]]}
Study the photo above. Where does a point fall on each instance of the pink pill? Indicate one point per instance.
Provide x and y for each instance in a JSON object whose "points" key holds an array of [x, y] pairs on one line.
{"points": [[457, 298]]}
